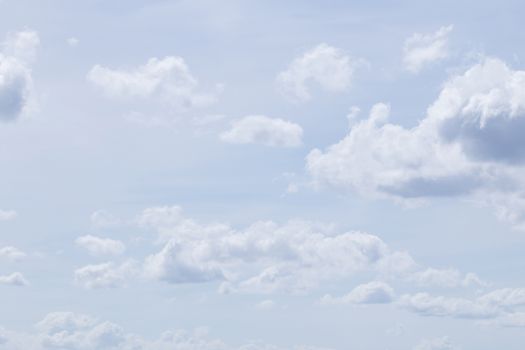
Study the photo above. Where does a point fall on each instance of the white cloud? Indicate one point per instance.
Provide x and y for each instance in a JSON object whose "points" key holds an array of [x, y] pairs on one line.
{"points": [[22, 45], [469, 145], [422, 49], [441, 343], [168, 79], [72, 41], [100, 246], [11, 253], [67, 330], [374, 292], [15, 88], [105, 275], [73, 331], [103, 219], [265, 304], [498, 303], [264, 130], [325, 65], [263, 258], [16, 85], [513, 320], [6, 215], [446, 278], [14, 279]]}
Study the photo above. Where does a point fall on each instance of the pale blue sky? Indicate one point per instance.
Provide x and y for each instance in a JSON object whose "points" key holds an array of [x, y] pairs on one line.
{"points": [[136, 177]]}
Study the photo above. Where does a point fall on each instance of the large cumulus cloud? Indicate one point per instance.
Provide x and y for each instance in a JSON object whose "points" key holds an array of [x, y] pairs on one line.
{"points": [[469, 144]]}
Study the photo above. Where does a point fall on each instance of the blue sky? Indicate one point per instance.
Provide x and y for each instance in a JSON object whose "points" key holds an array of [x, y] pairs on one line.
{"points": [[249, 175]]}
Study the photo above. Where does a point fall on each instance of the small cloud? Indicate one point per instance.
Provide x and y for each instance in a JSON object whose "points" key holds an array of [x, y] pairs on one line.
{"points": [[14, 279], [423, 49], [6, 215], [101, 246], [73, 42], [264, 130], [327, 66]]}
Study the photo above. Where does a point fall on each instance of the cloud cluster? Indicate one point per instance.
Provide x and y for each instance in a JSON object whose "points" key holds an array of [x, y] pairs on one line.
{"points": [[74, 331], [325, 65], [263, 257], [423, 49], [264, 130], [469, 145], [501, 306]]}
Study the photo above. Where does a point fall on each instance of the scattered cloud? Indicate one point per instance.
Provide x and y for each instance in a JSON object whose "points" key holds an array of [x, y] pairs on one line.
{"points": [[167, 80], [375, 292], [423, 49], [446, 278], [103, 219], [14, 279], [74, 331], [22, 45], [440, 343], [100, 246], [73, 42], [498, 303], [11, 253], [6, 215], [325, 65], [264, 130], [105, 275]]}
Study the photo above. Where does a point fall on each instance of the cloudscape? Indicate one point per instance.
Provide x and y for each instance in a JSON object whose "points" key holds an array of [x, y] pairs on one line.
{"points": [[262, 175]]}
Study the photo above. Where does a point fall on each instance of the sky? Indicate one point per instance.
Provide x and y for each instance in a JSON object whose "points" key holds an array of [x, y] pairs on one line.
{"points": [[262, 175]]}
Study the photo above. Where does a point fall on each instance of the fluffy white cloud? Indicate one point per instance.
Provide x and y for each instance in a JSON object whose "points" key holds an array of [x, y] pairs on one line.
{"points": [[168, 79], [428, 305], [374, 292], [325, 65], [66, 330], [422, 49], [16, 84], [105, 275], [101, 246], [11, 253], [6, 215], [14, 279], [264, 130], [470, 144], [441, 343], [498, 303], [263, 257], [446, 278], [73, 331]]}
